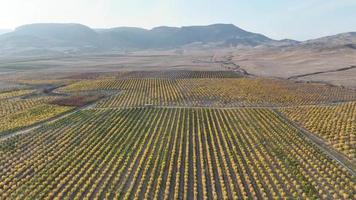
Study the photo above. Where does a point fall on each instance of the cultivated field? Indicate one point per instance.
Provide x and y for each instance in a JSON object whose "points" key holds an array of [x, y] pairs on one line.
{"points": [[177, 133], [336, 124], [169, 153], [221, 92], [18, 111]]}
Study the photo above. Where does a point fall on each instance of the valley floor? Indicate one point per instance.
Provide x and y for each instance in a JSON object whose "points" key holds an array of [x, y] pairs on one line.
{"points": [[182, 132]]}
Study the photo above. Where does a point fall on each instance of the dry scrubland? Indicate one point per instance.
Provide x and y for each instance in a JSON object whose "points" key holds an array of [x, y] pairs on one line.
{"points": [[183, 132], [287, 63]]}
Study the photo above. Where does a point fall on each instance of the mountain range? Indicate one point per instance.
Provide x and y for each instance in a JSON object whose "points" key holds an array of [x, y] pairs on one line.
{"points": [[3, 31], [46, 39]]}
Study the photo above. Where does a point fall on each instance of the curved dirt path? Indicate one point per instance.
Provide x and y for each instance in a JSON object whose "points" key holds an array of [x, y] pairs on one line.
{"points": [[32, 127], [321, 72]]}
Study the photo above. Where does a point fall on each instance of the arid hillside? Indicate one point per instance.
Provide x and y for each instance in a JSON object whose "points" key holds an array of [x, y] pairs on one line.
{"points": [[333, 66]]}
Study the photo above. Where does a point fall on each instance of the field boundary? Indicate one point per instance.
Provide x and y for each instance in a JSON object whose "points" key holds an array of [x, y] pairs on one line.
{"points": [[321, 144], [321, 72], [225, 107], [26, 129]]}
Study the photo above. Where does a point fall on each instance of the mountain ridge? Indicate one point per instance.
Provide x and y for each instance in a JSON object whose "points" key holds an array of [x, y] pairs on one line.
{"points": [[3, 31], [78, 38]]}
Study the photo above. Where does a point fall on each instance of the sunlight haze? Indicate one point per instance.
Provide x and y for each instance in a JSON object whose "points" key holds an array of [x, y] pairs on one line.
{"points": [[177, 99], [277, 19]]}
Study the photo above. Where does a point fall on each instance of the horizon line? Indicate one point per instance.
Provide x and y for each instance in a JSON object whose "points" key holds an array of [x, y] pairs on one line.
{"points": [[158, 26]]}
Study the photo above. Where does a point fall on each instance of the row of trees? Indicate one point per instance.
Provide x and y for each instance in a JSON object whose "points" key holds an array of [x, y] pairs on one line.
{"points": [[29, 116], [336, 124], [217, 92], [171, 153]]}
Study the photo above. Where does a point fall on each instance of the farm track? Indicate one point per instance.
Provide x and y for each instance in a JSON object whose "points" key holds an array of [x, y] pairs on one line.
{"points": [[37, 125], [48, 121], [321, 72], [225, 108], [321, 144]]}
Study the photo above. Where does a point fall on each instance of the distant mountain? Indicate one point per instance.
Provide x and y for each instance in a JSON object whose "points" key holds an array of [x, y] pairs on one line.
{"points": [[49, 39], [3, 31], [50, 35], [170, 37], [125, 37], [227, 34], [342, 40], [285, 43], [78, 38]]}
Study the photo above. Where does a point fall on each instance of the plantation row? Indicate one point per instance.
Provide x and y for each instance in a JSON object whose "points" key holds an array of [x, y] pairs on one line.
{"points": [[11, 106], [227, 92], [16, 112], [29, 116], [177, 74], [14, 93], [162, 153], [336, 124]]}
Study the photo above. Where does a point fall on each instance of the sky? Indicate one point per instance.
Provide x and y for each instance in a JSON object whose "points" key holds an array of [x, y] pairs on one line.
{"points": [[278, 19]]}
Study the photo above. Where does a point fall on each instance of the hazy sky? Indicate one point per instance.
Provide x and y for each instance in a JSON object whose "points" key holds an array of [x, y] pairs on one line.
{"points": [[295, 19]]}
